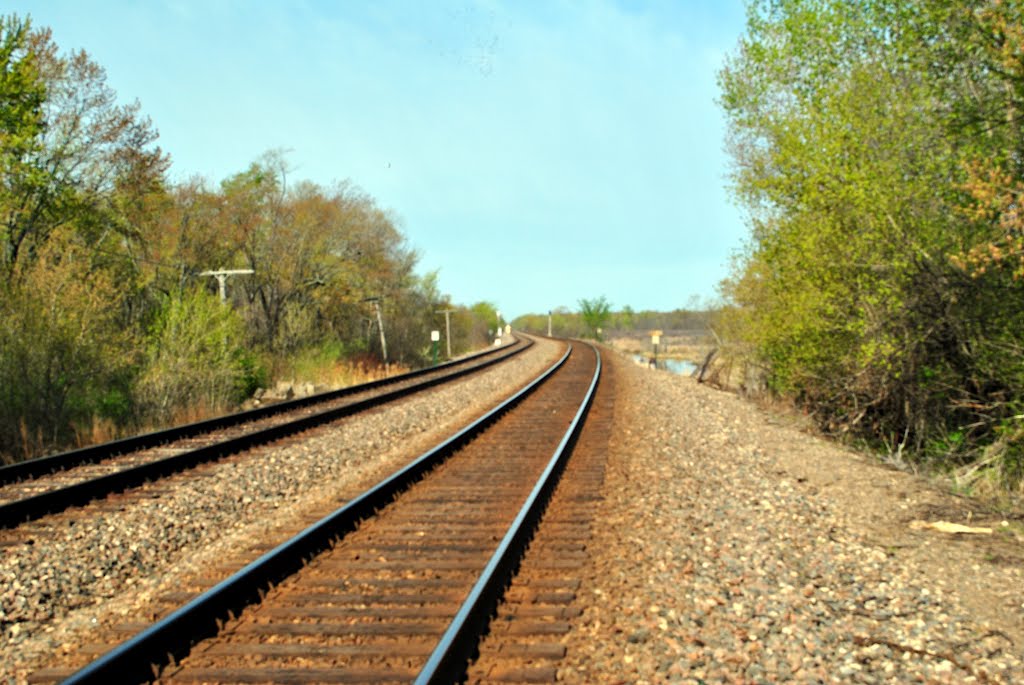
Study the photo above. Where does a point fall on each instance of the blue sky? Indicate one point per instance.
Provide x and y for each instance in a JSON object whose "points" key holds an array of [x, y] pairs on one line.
{"points": [[535, 153]]}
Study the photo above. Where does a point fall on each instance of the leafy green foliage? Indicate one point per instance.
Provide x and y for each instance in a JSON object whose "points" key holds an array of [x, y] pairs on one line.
{"points": [[194, 355], [22, 93], [595, 313], [854, 130]]}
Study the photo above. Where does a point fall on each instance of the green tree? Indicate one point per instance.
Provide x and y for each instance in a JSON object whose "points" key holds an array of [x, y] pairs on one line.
{"points": [[317, 254], [78, 157], [624, 320], [472, 326], [854, 128], [195, 356], [595, 314], [411, 318], [22, 94]]}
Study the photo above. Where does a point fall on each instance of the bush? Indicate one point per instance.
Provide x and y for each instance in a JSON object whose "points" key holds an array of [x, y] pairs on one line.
{"points": [[59, 343], [194, 357]]}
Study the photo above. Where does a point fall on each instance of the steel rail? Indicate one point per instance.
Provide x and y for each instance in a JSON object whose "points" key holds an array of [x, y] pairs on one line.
{"points": [[449, 660], [60, 499], [34, 468], [139, 659]]}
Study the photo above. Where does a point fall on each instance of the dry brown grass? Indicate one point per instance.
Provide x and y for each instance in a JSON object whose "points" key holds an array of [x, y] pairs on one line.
{"points": [[690, 348], [99, 430], [337, 374], [343, 374]]}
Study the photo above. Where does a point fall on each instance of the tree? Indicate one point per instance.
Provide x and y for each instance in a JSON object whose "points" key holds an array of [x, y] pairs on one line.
{"points": [[81, 157], [625, 318], [72, 161], [595, 314], [63, 357], [317, 254], [856, 130], [472, 326], [23, 94]]}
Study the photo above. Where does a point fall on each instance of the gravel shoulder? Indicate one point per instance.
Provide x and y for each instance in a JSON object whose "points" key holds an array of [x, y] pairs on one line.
{"points": [[732, 547], [107, 566]]}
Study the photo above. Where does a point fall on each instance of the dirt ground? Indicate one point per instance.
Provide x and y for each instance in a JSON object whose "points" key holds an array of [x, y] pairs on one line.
{"points": [[896, 510], [892, 509], [738, 546]]}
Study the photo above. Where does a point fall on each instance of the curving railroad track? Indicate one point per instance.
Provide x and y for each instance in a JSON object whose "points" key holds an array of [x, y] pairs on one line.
{"points": [[400, 583], [33, 489]]}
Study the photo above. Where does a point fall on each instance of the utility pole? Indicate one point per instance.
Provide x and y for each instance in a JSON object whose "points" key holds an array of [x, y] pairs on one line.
{"points": [[447, 328], [380, 326], [222, 276]]}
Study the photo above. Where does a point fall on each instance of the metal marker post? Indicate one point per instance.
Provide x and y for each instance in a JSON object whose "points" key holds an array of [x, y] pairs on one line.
{"points": [[655, 339], [435, 336]]}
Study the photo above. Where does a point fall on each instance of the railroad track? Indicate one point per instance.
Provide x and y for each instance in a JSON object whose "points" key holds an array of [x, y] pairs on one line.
{"points": [[33, 489], [399, 584]]}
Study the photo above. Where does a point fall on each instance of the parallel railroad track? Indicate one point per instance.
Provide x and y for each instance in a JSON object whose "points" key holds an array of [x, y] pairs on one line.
{"points": [[36, 488], [399, 584]]}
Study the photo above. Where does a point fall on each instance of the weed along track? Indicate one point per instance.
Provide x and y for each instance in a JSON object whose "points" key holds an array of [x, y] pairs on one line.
{"points": [[31, 490], [399, 584]]}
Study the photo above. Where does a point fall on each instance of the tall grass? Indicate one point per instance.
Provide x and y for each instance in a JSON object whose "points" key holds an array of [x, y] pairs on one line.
{"points": [[325, 366], [318, 366]]}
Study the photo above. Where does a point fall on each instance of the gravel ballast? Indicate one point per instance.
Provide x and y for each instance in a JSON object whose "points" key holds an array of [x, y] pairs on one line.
{"points": [[732, 548], [106, 566]]}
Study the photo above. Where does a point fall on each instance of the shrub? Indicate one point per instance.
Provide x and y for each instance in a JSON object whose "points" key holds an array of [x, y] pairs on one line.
{"points": [[194, 356]]}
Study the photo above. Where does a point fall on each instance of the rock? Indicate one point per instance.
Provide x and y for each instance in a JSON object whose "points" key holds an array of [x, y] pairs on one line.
{"points": [[284, 390]]}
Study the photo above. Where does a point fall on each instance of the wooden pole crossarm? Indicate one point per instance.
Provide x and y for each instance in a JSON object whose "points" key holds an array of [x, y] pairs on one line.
{"points": [[222, 276]]}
